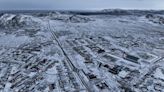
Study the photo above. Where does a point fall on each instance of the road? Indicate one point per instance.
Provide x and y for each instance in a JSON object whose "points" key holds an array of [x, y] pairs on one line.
{"points": [[69, 62]]}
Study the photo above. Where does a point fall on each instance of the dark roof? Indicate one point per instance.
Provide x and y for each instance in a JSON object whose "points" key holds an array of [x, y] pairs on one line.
{"points": [[131, 58], [92, 76]]}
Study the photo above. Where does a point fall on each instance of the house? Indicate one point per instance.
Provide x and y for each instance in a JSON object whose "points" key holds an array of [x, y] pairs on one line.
{"points": [[92, 76], [102, 85]]}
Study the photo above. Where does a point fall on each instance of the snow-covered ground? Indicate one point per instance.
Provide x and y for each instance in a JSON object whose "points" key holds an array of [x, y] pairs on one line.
{"points": [[64, 52]]}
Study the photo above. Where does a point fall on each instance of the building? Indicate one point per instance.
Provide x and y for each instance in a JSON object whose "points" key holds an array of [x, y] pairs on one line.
{"points": [[131, 58]]}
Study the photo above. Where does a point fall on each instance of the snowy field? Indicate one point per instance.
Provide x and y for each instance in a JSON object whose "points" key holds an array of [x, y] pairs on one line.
{"points": [[122, 51]]}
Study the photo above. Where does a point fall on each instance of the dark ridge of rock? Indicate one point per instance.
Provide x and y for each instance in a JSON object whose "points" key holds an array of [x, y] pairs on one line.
{"points": [[155, 18], [71, 18]]}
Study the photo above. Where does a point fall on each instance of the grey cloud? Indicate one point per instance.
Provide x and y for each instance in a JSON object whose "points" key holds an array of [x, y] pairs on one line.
{"points": [[81, 4]]}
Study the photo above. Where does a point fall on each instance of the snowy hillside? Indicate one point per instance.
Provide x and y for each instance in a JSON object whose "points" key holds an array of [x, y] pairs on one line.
{"points": [[17, 21]]}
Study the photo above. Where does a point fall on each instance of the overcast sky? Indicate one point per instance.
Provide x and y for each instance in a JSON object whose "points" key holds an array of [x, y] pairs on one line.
{"points": [[81, 4]]}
